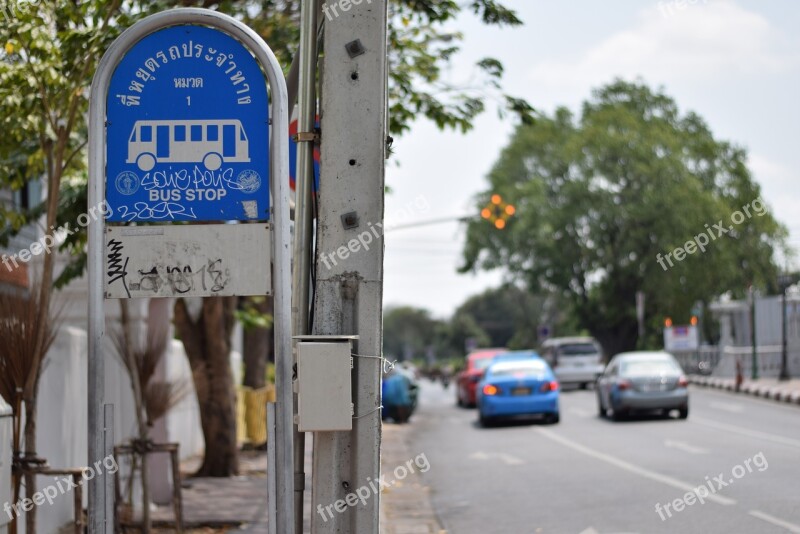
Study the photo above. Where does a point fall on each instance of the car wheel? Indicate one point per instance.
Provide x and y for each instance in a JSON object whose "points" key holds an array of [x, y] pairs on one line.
{"points": [[483, 420], [584, 385], [618, 415], [553, 418], [683, 413], [601, 411]]}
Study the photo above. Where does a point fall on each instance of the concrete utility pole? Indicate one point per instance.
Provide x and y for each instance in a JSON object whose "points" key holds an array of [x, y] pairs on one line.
{"points": [[349, 289]]}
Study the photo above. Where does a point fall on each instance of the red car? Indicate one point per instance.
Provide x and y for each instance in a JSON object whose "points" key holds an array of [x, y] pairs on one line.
{"points": [[467, 380]]}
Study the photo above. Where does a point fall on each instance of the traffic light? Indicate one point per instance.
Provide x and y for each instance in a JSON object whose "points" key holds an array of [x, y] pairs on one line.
{"points": [[498, 212], [668, 322]]}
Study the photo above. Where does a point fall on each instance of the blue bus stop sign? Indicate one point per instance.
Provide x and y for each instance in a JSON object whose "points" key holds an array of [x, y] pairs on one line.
{"points": [[187, 130]]}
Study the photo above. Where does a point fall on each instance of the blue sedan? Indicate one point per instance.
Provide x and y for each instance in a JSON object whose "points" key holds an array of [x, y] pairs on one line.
{"points": [[518, 388]]}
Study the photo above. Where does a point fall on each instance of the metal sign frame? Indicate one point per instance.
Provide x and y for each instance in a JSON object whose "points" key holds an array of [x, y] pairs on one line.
{"points": [[101, 512]]}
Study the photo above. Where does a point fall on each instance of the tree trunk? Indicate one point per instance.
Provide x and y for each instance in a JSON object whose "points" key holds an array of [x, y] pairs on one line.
{"points": [[621, 338], [207, 340], [257, 348]]}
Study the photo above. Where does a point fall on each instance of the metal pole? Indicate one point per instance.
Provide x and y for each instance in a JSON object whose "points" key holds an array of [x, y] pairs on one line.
{"points": [[784, 352], [350, 286], [754, 372], [108, 480], [272, 520], [303, 221], [96, 365]]}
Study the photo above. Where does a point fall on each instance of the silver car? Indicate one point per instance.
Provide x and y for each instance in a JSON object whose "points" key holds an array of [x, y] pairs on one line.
{"points": [[642, 381], [574, 360]]}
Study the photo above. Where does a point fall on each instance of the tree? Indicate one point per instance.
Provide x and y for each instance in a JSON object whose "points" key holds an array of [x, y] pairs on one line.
{"points": [[51, 49], [601, 197], [452, 336], [508, 314], [408, 332]]}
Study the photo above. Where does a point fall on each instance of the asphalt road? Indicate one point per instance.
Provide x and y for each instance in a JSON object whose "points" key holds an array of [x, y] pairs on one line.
{"points": [[593, 476]]}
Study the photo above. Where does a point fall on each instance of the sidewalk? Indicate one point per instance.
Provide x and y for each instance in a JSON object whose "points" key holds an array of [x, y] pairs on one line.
{"points": [[768, 388], [237, 505], [406, 506]]}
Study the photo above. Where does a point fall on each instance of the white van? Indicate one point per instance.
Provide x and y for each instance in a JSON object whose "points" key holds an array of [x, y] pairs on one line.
{"points": [[575, 360]]}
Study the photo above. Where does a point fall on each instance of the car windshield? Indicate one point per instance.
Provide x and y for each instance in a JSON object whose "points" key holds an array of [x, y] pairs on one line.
{"points": [[532, 367], [577, 349], [648, 367], [482, 363]]}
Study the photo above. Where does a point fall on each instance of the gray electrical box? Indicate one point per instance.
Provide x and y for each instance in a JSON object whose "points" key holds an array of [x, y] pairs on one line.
{"points": [[324, 383]]}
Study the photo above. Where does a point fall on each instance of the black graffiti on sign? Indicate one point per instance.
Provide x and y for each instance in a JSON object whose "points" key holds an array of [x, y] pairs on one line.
{"points": [[117, 269], [183, 279]]}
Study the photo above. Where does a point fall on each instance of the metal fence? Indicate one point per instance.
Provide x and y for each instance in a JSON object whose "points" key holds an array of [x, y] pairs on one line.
{"points": [[712, 361]]}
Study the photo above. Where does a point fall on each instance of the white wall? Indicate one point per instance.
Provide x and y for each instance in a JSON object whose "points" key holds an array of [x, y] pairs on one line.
{"points": [[62, 412]]}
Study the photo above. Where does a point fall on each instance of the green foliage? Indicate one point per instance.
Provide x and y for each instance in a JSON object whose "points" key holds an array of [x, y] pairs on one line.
{"points": [[249, 315], [408, 332], [452, 336], [420, 49], [599, 196], [509, 315]]}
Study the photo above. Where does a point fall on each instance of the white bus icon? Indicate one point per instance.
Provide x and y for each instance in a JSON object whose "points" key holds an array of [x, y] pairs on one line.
{"points": [[209, 142]]}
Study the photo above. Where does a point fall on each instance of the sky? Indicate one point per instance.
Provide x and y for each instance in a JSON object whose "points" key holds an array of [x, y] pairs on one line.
{"points": [[735, 63]]}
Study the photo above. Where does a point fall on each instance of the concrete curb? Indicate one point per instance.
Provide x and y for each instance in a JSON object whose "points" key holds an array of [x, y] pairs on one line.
{"points": [[766, 391]]}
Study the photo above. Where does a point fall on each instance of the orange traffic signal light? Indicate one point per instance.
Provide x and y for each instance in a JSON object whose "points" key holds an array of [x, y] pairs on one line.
{"points": [[668, 322], [694, 320], [497, 212]]}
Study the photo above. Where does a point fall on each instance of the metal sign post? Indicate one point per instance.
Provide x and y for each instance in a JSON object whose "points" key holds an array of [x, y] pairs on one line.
{"points": [[179, 131]]}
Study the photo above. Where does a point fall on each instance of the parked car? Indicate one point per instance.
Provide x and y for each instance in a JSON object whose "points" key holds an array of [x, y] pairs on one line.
{"points": [[575, 360], [517, 388], [642, 381], [467, 380], [514, 355], [399, 394]]}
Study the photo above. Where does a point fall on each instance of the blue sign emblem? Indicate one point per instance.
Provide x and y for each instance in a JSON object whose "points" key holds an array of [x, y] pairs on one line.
{"points": [[187, 130]]}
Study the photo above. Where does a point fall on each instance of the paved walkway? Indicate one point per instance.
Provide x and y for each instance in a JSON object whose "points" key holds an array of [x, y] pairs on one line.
{"points": [[405, 506], [236, 505], [768, 388]]}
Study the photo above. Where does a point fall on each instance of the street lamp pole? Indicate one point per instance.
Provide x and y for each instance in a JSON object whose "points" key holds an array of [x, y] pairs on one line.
{"points": [[784, 282], [752, 301]]}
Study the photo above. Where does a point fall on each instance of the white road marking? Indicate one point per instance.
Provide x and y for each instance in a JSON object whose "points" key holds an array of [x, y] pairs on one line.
{"points": [[635, 469], [685, 447], [505, 458], [791, 527], [727, 406], [747, 432], [579, 412]]}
